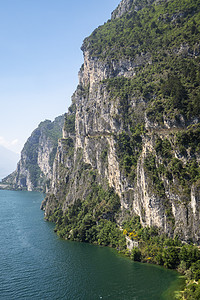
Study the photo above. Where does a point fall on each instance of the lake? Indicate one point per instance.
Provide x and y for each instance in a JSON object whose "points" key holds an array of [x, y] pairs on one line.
{"points": [[36, 264]]}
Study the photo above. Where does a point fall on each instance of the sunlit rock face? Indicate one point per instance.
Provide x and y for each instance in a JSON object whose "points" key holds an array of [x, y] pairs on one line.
{"points": [[35, 168], [92, 146], [111, 138]]}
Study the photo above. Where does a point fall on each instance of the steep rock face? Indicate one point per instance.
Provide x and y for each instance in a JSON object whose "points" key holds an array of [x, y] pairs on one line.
{"points": [[34, 170], [126, 6], [122, 8], [94, 70], [135, 130], [173, 211]]}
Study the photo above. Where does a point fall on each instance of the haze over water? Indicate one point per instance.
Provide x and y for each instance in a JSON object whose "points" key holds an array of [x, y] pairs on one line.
{"points": [[36, 264]]}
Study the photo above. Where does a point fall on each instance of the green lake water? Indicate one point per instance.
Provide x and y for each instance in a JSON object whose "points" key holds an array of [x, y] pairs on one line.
{"points": [[36, 264]]}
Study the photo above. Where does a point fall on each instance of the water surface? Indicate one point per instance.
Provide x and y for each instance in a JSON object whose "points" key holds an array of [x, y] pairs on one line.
{"points": [[36, 264]]}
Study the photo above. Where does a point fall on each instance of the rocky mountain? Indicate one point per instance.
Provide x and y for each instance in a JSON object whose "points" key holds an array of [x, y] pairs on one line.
{"points": [[131, 139], [34, 170]]}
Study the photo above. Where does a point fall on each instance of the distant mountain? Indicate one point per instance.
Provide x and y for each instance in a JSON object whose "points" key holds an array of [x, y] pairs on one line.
{"points": [[34, 170], [8, 161]]}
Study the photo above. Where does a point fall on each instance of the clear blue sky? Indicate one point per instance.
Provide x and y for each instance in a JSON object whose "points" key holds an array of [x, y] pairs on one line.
{"points": [[40, 58]]}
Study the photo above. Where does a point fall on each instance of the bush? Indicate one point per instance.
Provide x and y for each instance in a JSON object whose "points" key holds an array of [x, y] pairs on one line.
{"points": [[91, 220], [136, 254]]}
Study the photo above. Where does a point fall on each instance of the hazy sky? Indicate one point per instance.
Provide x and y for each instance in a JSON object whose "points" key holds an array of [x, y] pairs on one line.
{"points": [[40, 58]]}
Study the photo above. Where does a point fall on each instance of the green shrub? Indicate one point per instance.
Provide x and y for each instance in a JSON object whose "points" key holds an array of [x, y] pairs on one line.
{"points": [[135, 254]]}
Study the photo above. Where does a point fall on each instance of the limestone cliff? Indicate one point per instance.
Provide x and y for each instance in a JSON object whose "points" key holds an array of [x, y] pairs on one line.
{"points": [[134, 120], [126, 6], [34, 170]]}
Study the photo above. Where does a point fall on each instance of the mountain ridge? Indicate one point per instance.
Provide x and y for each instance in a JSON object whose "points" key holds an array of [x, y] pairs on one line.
{"points": [[126, 171], [8, 160], [133, 125], [135, 117], [34, 169]]}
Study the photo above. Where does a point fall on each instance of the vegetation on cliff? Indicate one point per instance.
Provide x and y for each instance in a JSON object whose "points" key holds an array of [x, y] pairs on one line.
{"points": [[164, 25], [92, 220], [169, 32], [155, 247], [156, 114]]}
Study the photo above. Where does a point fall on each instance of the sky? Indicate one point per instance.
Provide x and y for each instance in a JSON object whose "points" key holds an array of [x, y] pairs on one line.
{"points": [[40, 58]]}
